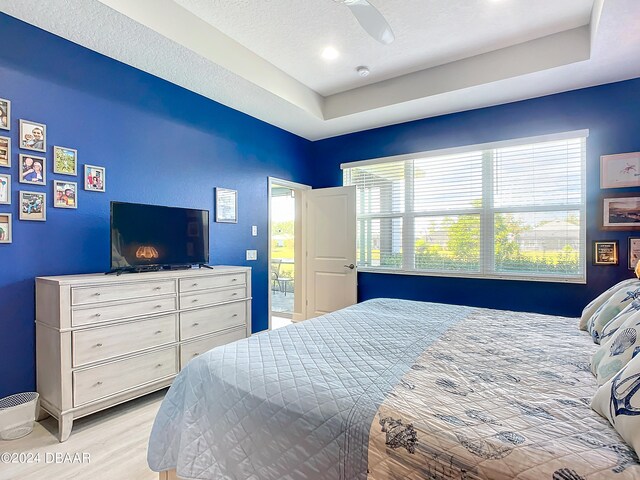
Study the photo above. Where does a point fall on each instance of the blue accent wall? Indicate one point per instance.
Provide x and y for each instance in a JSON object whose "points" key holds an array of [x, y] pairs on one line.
{"points": [[611, 113], [160, 144]]}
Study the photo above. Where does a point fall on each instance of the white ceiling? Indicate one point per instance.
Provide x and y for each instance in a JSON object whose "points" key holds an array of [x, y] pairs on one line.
{"points": [[262, 56], [290, 34]]}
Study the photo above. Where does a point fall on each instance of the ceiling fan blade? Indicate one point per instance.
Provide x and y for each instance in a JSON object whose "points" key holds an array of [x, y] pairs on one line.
{"points": [[371, 20]]}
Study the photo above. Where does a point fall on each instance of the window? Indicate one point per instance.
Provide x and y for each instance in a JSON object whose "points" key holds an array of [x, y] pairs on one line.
{"points": [[511, 209]]}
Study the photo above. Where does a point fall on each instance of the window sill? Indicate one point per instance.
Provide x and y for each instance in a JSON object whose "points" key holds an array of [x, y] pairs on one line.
{"points": [[522, 278]]}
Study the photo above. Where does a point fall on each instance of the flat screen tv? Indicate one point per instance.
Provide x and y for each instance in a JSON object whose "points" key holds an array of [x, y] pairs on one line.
{"points": [[145, 236]]}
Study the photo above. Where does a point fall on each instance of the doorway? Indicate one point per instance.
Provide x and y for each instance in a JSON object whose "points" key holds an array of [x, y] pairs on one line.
{"points": [[286, 259]]}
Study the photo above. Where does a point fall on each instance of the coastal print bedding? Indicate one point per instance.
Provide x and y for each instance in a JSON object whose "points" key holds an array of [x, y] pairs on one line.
{"points": [[591, 308], [611, 308], [393, 389]]}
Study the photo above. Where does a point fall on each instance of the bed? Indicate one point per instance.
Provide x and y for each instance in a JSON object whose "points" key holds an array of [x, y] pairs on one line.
{"points": [[393, 389]]}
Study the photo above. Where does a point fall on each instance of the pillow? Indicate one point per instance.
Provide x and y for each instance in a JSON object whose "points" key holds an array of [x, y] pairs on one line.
{"points": [[590, 309], [631, 310], [612, 307], [618, 400], [616, 353]]}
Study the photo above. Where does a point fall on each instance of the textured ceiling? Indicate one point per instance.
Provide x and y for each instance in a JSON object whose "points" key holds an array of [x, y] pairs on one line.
{"points": [[166, 40], [291, 33]]}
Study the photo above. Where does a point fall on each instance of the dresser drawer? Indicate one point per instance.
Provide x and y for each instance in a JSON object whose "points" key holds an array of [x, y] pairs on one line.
{"points": [[212, 319], [191, 350], [123, 291], [98, 382], [102, 343], [218, 281], [105, 313], [210, 297]]}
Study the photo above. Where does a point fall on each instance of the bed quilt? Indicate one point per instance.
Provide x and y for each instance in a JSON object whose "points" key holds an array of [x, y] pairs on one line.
{"points": [[393, 389]]}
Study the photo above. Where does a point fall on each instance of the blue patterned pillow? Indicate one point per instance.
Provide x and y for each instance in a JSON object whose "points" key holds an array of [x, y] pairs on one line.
{"points": [[612, 307], [590, 309], [618, 400], [614, 354]]}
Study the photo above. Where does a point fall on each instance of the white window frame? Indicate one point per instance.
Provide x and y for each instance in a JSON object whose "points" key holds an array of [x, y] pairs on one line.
{"points": [[487, 213]]}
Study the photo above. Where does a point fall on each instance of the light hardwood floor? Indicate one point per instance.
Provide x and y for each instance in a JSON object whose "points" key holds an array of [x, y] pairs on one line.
{"points": [[115, 439]]}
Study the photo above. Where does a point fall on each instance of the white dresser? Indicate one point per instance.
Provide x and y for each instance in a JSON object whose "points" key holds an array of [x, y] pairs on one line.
{"points": [[105, 339]]}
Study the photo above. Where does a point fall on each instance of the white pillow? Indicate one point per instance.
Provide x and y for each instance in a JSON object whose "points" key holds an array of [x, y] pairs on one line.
{"points": [[612, 307], [616, 353], [631, 310], [618, 400], [590, 309]]}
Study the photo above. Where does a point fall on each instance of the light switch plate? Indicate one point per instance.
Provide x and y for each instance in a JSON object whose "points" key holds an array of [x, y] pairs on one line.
{"points": [[252, 254], [254, 230]]}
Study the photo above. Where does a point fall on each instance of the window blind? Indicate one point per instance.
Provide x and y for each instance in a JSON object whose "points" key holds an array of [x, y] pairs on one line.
{"points": [[512, 210]]}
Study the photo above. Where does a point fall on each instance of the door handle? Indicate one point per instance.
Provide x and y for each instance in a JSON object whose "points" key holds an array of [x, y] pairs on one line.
{"points": [[351, 266]]}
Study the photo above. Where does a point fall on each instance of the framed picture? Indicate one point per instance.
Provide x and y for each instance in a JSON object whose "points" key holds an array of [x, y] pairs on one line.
{"points": [[65, 194], [33, 136], [621, 213], [605, 252], [94, 178], [634, 252], [5, 114], [6, 229], [619, 171], [226, 205], [65, 161], [5, 189], [5, 152], [33, 169], [33, 206]]}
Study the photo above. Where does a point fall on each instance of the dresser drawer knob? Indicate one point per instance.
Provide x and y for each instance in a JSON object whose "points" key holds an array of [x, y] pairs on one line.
{"points": [[196, 354], [234, 315], [234, 279], [98, 344], [194, 284], [98, 384], [97, 294], [158, 365], [97, 314], [158, 288], [234, 294], [158, 306], [195, 324], [158, 332], [195, 300]]}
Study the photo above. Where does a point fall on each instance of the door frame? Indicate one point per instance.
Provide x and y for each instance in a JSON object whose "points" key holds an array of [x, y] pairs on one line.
{"points": [[300, 285]]}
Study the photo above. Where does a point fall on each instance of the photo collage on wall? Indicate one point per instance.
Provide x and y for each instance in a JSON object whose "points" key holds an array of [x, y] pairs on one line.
{"points": [[620, 212], [30, 165]]}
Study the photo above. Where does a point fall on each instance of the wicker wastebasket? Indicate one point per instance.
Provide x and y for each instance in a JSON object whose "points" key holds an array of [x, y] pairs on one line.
{"points": [[17, 415]]}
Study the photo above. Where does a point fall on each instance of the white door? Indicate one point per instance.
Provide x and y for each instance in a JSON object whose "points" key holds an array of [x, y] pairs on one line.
{"points": [[331, 250]]}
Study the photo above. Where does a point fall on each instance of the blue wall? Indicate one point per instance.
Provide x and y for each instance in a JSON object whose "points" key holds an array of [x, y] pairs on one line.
{"points": [[611, 113], [161, 144]]}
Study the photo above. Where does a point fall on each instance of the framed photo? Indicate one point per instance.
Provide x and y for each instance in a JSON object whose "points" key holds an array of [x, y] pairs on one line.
{"points": [[634, 252], [621, 213], [32, 169], [33, 136], [226, 205], [5, 152], [94, 178], [65, 194], [605, 252], [5, 114], [6, 229], [619, 171], [33, 206], [5, 189], [65, 161]]}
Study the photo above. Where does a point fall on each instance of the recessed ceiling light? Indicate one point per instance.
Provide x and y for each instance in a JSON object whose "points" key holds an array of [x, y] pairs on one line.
{"points": [[330, 53]]}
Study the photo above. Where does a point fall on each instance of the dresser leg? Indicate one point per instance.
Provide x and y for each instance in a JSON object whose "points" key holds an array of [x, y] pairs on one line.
{"points": [[65, 423]]}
